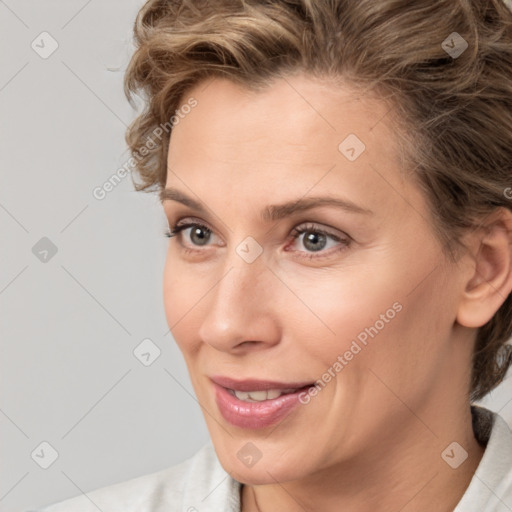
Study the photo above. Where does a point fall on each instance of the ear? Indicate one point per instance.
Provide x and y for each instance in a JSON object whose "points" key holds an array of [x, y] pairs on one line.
{"points": [[489, 278]]}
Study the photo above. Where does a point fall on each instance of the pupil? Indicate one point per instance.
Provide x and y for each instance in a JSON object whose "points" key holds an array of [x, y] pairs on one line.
{"points": [[314, 238], [201, 235]]}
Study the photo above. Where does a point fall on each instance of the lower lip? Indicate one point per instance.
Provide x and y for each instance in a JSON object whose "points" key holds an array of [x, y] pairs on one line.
{"points": [[253, 415]]}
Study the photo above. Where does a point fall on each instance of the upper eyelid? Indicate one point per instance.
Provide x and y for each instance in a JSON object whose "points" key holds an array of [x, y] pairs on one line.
{"points": [[309, 226], [185, 224], [189, 222], [304, 225]]}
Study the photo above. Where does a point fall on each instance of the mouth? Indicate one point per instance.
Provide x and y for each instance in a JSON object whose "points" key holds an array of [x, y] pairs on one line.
{"points": [[261, 396], [255, 403]]}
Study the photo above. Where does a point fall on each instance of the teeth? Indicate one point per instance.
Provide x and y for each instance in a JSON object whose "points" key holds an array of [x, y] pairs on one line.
{"points": [[273, 393], [260, 396], [241, 395]]}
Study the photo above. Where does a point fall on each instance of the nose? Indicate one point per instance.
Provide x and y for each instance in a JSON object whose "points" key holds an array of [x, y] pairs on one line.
{"points": [[240, 311]]}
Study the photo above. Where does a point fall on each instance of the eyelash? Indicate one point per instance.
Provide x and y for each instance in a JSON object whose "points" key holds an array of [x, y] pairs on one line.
{"points": [[296, 232]]}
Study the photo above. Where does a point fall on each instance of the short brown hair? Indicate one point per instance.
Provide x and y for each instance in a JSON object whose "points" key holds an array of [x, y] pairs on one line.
{"points": [[455, 110]]}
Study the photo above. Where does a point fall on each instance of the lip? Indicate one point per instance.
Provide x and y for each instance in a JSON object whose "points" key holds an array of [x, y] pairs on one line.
{"points": [[254, 415], [256, 384]]}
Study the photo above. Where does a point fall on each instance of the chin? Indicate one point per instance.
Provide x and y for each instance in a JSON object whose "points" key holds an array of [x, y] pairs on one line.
{"points": [[259, 462], [262, 473]]}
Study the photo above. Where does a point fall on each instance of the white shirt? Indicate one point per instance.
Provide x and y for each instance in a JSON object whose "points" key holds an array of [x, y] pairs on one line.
{"points": [[200, 484]]}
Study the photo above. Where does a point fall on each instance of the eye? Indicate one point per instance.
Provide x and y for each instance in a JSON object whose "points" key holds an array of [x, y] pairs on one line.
{"points": [[317, 240], [313, 238], [199, 234]]}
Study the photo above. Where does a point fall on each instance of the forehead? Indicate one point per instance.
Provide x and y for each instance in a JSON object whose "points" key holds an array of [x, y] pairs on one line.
{"points": [[297, 118], [243, 149]]}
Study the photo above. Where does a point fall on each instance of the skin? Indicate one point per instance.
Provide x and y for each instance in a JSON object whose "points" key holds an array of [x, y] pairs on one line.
{"points": [[372, 438]]}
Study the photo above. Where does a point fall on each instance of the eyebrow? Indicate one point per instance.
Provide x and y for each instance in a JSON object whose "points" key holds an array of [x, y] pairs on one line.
{"points": [[276, 211]]}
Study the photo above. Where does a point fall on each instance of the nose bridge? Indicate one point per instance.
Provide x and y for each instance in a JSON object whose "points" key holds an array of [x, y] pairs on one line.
{"points": [[242, 283], [238, 304]]}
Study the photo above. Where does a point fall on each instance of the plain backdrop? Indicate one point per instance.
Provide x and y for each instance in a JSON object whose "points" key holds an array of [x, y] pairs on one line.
{"points": [[80, 278]]}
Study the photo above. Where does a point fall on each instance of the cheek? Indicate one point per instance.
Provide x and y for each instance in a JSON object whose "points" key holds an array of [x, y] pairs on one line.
{"points": [[337, 309], [373, 321], [181, 292], [171, 292]]}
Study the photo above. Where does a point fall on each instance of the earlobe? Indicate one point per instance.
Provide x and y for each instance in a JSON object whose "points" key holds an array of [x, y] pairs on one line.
{"points": [[489, 279]]}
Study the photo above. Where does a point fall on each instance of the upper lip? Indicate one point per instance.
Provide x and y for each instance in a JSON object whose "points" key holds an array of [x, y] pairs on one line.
{"points": [[256, 385]]}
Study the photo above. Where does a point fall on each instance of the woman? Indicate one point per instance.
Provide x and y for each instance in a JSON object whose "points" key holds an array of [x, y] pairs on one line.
{"points": [[337, 179]]}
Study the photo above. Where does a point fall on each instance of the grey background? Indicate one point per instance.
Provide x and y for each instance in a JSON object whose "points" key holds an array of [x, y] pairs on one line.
{"points": [[70, 323]]}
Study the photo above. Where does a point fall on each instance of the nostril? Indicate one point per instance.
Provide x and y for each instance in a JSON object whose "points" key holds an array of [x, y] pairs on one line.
{"points": [[248, 343]]}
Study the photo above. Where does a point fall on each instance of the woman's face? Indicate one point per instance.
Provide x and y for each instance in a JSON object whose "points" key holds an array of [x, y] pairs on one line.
{"points": [[362, 302]]}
